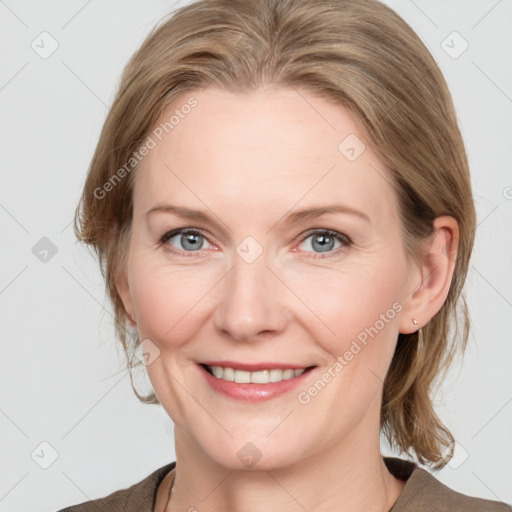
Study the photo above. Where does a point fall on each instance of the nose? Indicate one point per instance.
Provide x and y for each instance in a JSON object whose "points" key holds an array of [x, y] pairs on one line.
{"points": [[251, 302]]}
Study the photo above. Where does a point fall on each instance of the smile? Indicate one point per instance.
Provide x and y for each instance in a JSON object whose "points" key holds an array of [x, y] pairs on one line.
{"points": [[253, 382], [259, 377]]}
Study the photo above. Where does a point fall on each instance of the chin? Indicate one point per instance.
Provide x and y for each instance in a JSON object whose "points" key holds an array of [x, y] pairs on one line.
{"points": [[257, 455]]}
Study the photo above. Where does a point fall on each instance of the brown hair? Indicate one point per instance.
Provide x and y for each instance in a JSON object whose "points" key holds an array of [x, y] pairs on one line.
{"points": [[357, 53]]}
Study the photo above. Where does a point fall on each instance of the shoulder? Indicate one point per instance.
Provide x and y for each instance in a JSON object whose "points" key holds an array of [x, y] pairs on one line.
{"points": [[423, 491], [140, 497], [441, 498]]}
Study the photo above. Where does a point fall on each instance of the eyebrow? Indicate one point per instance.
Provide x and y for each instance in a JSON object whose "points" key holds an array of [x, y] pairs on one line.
{"points": [[291, 218], [312, 213]]}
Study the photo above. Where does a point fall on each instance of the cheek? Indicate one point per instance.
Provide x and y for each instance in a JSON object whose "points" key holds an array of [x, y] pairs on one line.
{"points": [[167, 302], [354, 310]]}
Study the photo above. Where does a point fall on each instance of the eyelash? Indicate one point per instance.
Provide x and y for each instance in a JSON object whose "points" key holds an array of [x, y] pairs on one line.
{"points": [[339, 236]]}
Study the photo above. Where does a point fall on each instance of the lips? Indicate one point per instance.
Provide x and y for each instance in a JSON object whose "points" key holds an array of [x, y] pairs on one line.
{"points": [[256, 385]]}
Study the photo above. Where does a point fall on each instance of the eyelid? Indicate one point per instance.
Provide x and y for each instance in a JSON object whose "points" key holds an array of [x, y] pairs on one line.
{"points": [[181, 231], [331, 232]]}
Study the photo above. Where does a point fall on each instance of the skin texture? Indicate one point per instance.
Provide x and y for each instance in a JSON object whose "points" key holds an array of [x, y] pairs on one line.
{"points": [[249, 160]]}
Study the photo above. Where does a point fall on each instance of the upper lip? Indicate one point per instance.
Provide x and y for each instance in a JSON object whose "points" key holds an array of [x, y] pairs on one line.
{"points": [[254, 367]]}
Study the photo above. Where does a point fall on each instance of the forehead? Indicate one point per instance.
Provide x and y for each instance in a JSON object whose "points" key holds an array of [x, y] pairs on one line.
{"points": [[263, 149]]}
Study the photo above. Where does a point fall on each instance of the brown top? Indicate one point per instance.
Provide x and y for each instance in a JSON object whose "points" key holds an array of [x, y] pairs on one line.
{"points": [[422, 492]]}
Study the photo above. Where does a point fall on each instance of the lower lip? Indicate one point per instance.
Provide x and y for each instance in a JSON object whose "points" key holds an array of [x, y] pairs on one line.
{"points": [[249, 392]]}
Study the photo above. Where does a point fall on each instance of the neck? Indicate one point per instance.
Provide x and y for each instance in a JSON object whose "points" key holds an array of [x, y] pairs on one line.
{"points": [[350, 476]]}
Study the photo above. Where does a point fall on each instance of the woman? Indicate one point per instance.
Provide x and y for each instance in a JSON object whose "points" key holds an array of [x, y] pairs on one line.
{"points": [[281, 204]]}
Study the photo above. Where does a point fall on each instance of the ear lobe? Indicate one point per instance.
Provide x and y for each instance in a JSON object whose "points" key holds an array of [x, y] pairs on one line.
{"points": [[123, 289], [436, 274]]}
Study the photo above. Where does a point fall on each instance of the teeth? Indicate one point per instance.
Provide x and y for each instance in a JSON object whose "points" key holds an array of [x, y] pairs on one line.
{"points": [[241, 377], [261, 377], [229, 374]]}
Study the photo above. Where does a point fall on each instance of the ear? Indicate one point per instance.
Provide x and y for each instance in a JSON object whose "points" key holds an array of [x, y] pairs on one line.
{"points": [[123, 289], [431, 282]]}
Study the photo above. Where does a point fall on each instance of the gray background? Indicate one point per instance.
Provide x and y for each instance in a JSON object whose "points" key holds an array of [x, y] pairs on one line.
{"points": [[61, 377]]}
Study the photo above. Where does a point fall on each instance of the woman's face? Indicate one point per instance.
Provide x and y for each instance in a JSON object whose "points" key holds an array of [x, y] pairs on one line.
{"points": [[257, 283]]}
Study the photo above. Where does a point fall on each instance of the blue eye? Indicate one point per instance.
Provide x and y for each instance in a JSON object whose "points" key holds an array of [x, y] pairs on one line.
{"points": [[190, 240], [323, 241]]}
